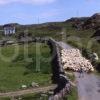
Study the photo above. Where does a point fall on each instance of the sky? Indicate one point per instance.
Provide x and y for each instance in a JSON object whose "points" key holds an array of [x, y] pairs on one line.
{"points": [[41, 11]]}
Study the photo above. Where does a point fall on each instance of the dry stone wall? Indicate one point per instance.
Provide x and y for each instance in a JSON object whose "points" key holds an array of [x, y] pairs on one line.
{"points": [[59, 77]]}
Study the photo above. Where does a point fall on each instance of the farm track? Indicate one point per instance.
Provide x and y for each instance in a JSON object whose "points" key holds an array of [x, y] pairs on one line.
{"points": [[28, 91], [88, 86]]}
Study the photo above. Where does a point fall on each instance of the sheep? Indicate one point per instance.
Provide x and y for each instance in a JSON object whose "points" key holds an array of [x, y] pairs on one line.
{"points": [[73, 60]]}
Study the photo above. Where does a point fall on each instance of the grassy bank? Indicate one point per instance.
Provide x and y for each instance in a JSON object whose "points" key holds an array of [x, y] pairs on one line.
{"points": [[73, 94], [22, 69]]}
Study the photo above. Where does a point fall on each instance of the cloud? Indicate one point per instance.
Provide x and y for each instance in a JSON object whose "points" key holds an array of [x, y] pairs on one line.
{"points": [[35, 2]]}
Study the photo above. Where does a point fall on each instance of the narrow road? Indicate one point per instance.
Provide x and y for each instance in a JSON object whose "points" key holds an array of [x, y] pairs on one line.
{"points": [[28, 91], [64, 45], [89, 85]]}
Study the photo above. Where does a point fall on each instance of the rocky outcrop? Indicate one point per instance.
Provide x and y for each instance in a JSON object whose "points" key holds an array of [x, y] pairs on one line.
{"points": [[92, 22]]}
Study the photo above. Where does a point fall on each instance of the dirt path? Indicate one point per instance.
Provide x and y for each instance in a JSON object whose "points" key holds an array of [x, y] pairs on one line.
{"points": [[89, 85], [28, 91]]}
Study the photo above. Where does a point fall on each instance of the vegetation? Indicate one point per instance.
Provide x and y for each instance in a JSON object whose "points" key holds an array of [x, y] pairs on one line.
{"points": [[73, 94], [82, 40], [39, 96], [5, 98], [21, 70], [35, 97]]}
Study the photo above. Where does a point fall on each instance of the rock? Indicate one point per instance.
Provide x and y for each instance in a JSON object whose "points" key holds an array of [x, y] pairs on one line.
{"points": [[24, 86], [34, 84], [96, 56]]}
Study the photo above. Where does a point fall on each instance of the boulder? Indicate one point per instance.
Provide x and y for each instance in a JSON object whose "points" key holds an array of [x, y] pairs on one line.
{"points": [[34, 84]]}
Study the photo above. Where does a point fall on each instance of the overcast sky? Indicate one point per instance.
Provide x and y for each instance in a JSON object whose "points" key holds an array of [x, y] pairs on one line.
{"points": [[29, 11]]}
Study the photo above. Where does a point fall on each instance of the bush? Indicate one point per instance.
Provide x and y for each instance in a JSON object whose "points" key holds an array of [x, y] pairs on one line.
{"points": [[87, 53], [98, 67]]}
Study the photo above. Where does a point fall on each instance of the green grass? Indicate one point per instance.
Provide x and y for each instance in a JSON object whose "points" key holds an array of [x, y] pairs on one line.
{"points": [[21, 71], [5, 99], [73, 94], [35, 97], [71, 77]]}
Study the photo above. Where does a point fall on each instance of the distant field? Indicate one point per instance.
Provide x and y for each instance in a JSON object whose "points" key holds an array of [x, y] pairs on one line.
{"points": [[22, 71]]}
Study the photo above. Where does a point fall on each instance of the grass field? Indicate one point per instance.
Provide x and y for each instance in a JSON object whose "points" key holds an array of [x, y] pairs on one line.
{"points": [[21, 71]]}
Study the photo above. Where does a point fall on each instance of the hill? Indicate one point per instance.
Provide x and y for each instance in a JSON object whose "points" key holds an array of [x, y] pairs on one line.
{"points": [[82, 28], [93, 21]]}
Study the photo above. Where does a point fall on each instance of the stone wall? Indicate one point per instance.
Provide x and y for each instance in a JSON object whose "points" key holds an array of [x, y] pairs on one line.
{"points": [[59, 77]]}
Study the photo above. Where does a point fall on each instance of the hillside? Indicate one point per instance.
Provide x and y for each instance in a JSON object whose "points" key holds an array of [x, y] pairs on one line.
{"points": [[82, 28], [55, 28], [93, 21]]}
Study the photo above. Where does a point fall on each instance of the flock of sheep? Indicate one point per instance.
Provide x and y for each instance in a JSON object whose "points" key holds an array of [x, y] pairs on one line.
{"points": [[72, 59]]}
